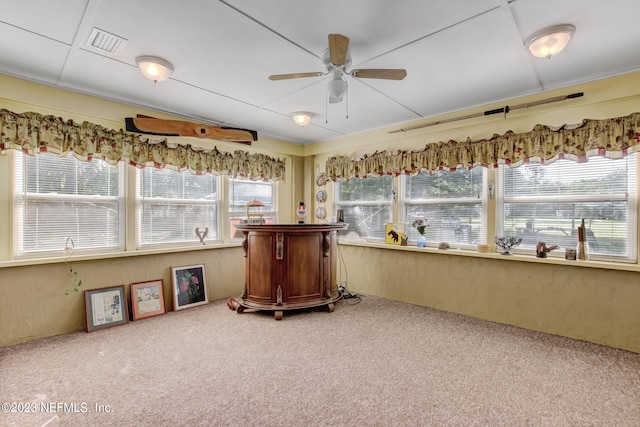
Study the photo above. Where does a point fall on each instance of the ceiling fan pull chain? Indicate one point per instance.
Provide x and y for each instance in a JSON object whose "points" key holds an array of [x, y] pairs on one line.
{"points": [[347, 105], [326, 107]]}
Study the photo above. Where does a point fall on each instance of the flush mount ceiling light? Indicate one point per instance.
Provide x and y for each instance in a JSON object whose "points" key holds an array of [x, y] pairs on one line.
{"points": [[550, 41], [302, 118], [154, 68]]}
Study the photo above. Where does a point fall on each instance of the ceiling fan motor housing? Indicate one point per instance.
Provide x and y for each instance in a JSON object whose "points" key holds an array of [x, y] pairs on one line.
{"points": [[329, 66]]}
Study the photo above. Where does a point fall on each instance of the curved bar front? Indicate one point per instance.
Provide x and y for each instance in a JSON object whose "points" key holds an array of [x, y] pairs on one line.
{"points": [[289, 266]]}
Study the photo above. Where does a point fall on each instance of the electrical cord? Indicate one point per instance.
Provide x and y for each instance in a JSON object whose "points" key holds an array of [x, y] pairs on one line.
{"points": [[349, 297]]}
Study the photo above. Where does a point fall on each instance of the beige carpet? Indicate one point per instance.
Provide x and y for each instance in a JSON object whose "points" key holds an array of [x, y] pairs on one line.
{"points": [[376, 363]]}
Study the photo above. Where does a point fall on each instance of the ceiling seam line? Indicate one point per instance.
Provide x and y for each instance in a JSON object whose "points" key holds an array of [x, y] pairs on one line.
{"points": [[271, 30], [428, 35], [507, 11], [420, 116]]}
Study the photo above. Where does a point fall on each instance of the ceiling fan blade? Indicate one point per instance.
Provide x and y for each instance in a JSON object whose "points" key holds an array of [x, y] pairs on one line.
{"points": [[338, 45], [380, 73], [293, 76]]}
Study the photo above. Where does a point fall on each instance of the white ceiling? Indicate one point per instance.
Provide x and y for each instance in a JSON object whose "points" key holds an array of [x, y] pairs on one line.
{"points": [[458, 54]]}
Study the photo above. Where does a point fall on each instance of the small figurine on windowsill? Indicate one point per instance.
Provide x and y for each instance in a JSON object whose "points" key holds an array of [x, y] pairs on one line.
{"points": [[542, 250]]}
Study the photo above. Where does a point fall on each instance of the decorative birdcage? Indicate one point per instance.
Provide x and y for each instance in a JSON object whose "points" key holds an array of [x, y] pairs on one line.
{"points": [[254, 217]]}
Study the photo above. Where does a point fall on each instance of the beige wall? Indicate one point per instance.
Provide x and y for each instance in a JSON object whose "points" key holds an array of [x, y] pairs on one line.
{"points": [[594, 303], [599, 303], [33, 303], [587, 303], [614, 97], [618, 96]]}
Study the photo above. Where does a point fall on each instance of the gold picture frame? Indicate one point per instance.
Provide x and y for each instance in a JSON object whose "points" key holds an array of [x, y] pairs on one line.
{"points": [[147, 299]]}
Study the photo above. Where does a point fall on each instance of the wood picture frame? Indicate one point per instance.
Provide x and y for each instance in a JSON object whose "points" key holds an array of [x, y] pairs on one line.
{"points": [[147, 299], [189, 286], [106, 307]]}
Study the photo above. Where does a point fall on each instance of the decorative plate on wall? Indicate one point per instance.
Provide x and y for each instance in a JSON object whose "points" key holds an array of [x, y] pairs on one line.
{"points": [[321, 196], [321, 213], [321, 179]]}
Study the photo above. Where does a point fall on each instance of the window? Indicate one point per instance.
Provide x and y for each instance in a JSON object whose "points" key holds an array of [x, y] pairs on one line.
{"points": [[547, 203], [56, 198], [172, 205], [243, 191], [366, 203], [451, 202]]}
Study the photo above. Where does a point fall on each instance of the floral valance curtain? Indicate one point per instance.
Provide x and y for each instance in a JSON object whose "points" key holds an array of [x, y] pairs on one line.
{"points": [[33, 133], [613, 138]]}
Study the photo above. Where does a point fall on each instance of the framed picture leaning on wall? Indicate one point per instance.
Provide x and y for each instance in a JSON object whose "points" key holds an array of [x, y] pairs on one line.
{"points": [[189, 286], [147, 299], [106, 307]]}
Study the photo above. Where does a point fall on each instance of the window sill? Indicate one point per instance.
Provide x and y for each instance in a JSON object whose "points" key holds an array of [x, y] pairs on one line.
{"points": [[111, 255], [513, 258]]}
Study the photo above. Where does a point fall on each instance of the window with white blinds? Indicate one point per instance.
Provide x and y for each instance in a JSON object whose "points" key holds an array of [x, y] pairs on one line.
{"points": [[367, 204], [57, 198], [172, 205], [453, 203], [547, 203], [243, 191]]}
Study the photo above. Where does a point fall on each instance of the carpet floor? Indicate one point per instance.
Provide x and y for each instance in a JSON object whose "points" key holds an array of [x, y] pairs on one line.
{"points": [[376, 363]]}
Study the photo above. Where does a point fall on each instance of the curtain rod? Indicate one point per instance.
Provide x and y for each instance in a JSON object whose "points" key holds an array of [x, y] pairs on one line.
{"points": [[504, 110]]}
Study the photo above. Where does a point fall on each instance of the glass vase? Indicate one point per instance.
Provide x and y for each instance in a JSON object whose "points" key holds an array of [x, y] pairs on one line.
{"points": [[422, 241]]}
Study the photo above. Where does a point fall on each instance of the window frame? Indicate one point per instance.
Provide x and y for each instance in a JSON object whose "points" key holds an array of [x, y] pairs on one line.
{"points": [[389, 202], [234, 216], [214, 237], [482, 201], [128, 214], [630, 197], [67, 244]]}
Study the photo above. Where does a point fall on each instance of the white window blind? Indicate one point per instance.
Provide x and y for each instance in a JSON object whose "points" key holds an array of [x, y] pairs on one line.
{"points": [[56, 198], [171, 205], [547, 203], [243, 191], [366, 203], [451, 202]]}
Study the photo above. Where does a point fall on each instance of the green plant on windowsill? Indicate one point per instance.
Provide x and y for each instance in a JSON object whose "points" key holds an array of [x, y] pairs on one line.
{"points": [[420, 225], [76, 282]]}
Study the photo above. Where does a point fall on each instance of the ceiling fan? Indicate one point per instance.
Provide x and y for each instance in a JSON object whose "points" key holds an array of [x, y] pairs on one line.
{"points": [[336, 61]]}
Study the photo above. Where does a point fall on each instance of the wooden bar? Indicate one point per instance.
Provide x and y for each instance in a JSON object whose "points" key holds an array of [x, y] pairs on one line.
{"points": [[289, 266]]}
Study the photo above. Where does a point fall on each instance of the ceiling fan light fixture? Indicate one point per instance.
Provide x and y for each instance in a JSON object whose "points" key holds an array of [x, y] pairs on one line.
{"points": [[302, 118], [337, 88], [550, 41], [154, 68], [335, 99]]}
